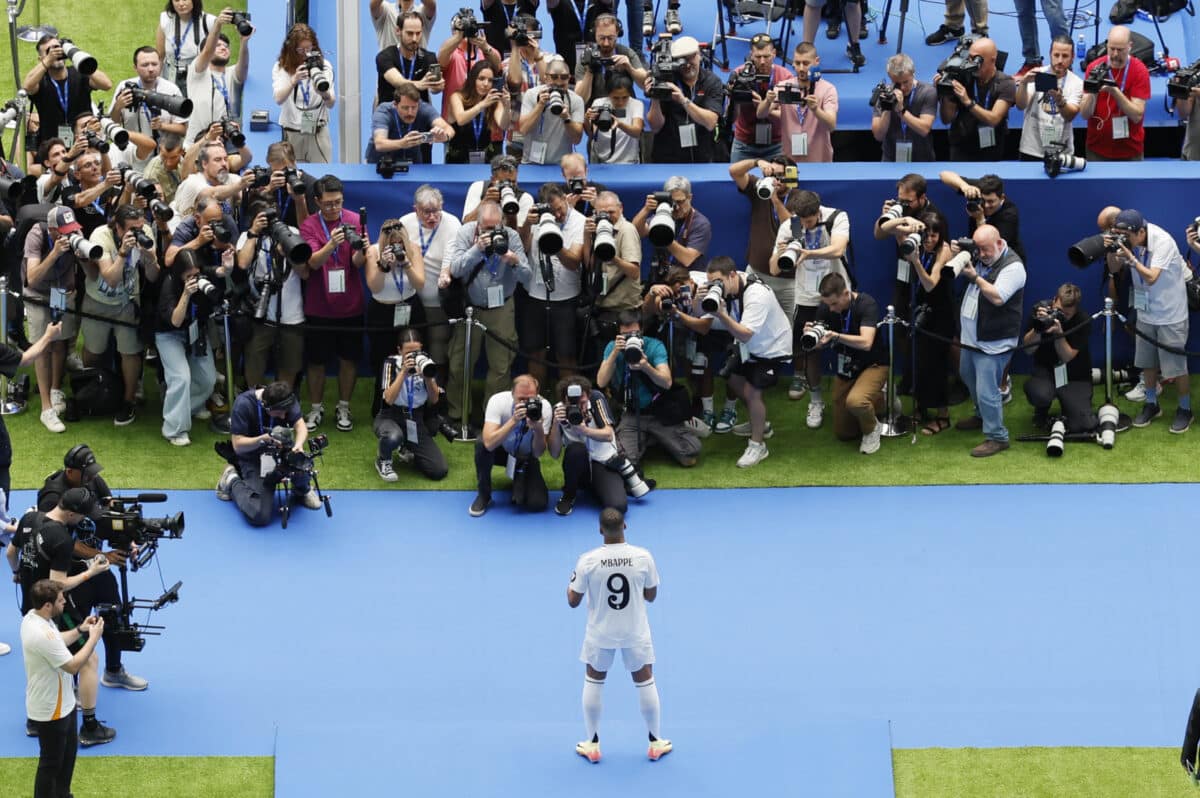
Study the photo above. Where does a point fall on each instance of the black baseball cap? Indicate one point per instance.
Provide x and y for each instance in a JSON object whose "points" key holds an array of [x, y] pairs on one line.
{"points": [[81, 458], [78, 500]]}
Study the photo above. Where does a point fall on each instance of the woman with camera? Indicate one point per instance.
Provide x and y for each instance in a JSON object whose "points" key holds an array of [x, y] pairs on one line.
{"points": [[302, 83], [395, 274], [933, 312], [479, 114], [410, 389], [182, 27], [181, 337], [614, 124]]}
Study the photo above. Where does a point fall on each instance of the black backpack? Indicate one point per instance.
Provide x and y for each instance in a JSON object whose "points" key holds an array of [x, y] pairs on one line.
{"points": [[1143, 50], [94, 392]]}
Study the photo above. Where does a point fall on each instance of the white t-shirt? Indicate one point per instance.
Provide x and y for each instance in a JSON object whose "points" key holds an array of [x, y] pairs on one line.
{"points": [[1040, 126], [208, 101], [396, 287], [613, 578], [292, 293], [566, 282], [434, 250], [762, 313], [1166, 300], [811, 271], [617, 146], [475, 196], [385, 24], [188, 47], [189, 191], [500, 409], [547, 142], [294, 104], [49, 693]]}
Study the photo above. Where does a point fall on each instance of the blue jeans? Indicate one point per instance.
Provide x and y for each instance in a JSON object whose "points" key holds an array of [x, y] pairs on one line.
{"points": [[741, 151], [634, 10], [982, 374], [190, 381], [1031, 51]]}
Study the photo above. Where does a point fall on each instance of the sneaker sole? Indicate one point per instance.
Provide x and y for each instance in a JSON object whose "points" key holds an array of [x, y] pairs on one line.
{"points": [[106, 683], [752, 465], [595, 760], [1146, 423], [768, 433], [1181, 431], [125, 423], [89, 743]]}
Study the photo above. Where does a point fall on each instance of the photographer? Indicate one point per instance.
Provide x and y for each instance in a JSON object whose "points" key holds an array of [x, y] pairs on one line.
{"points": [[165, 168], [580, 190], [185, 303], [616, 283], [601, 64], [1116, 107], [1160, 299], [807, 126], [279, 333], [434, 230], [750, 313], [498, 18], [403, 423], [757, 125], [303, 89], [388, 17], [44, 549], [903, 124], [395, 274], [766, 216], [1062, 363], [216, 93], [146, 124], [582, 434], [208, 233], [291, 189], [11, 359], [1048, 114], [112, 289], [978, 114], [260, 452], [479, 113], [182, 26], [214, 179], [504, 170], [488, 259], [693, 231], [407, 61], [399, 129], [92, 192], [990, 325], [81, 471], [459, 53], [685, 126], [549, 134], [514, 438], [652, 411], [58, 91], [614, 124], [935, 312], [847, 321], [987, 204]]}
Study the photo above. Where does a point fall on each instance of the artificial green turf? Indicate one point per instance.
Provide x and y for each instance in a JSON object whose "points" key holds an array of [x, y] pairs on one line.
{"points": [[1040, 773], [138, 456], [153, 776]]}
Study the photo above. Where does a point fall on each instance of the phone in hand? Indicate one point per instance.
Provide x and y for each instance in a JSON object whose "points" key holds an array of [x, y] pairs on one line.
{"points": [[498, 83]]}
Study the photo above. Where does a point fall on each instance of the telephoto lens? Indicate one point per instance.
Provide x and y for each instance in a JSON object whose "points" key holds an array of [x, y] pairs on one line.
{"points": [[604, 246], [713, 297], [662, 225], [895, 210], [1058, 431], [1109, 416], [911, 243], [765, 187], [810, 339], [425, 365], [634, 349]]}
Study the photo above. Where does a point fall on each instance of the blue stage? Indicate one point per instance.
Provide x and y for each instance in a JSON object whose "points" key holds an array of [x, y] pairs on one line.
{"points": [[402, 647]]}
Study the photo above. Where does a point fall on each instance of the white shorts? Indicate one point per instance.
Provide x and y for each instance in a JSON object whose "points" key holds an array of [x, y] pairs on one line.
{"points": [[601, 659]]}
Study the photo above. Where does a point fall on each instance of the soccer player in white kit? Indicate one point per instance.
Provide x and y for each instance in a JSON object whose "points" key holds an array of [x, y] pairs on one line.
{"points": [[618, 579]]}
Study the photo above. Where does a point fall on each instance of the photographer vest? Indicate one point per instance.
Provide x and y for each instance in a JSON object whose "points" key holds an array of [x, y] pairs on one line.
{"points": [[995, 323]]}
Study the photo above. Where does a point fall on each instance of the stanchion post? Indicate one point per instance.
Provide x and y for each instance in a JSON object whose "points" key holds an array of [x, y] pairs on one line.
{"points": [[7, 408], [464, 426], [1108, 317], [894, 427]]}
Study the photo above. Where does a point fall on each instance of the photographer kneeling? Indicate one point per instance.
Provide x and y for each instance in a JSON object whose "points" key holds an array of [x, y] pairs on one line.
{"points": [[409, 381], [1062, 364], [515, 426], [257, 413]]}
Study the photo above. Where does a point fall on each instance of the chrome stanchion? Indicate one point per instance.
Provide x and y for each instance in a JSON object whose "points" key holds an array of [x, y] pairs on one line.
{"points": [[464, 425], [895, 426], [7, 408]]}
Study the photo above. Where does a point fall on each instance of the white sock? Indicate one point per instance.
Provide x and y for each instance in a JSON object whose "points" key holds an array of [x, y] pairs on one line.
{"points": [[648, 704], [593, 704], [731, 404], [814, 395], [318, 406], [707, 403], [343, 403]]}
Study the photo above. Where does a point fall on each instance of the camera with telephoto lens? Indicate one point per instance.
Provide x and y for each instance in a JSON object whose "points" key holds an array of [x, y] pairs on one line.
{"points": [[96, 142], [634, 348], [525, 30], [911, 243], [495, 242], [883, 96], [11, 110], [231, 133], [1180, 86], [959, 66], [18, 390], [141, 239], [556, 102], [262, 176], [241, 21], [604, 114], [604, 243], [291, 177], [1109, 417], [714, 295], [84, 248], [423, 364], [765, 187], [1099, 77], [810, 339], [547, 233], [465, 22], [138, 183], [83, 61], [294, 247], [973, 207], [661, 228], [573, 406], [171, 103], [314, 62], [745, 83], [352, 237], [509, 204], [1056, 160], [113, 132], [665, 70], [221, 231], [967, 244], [205, 286], [790, 256], [894, 210], [635, 486], [1115, 241], [1058, 434], [594, 61], [1041, 322], [161, 210], [533, 408]]}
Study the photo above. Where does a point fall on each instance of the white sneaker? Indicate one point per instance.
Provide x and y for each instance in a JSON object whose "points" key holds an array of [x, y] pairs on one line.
{"points": [[51, 421], [870, 441], [181, 439], [816, 412], [1137, 393], [385, 470], [743, 430], [58, 400], [227, 477], [699, 426], [344, 422], [315, 416], [204, 415], [1006, 391], [4, 649], [755, 453]]}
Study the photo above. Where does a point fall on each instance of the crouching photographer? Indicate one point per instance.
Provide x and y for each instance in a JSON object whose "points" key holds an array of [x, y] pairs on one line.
{"points": [[515, 426], [1062, 363], [259, 425], [402, 425], [584, 437]]}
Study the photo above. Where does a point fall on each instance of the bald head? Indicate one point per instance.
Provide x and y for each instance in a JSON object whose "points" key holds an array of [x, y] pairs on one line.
{"points": [[986, 50], [990, 244], [1107, 218], [1119, 46]]}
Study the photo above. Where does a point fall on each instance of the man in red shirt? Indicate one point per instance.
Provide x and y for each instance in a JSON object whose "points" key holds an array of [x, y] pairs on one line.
{"points": [[1115, 112], [757, 130]]}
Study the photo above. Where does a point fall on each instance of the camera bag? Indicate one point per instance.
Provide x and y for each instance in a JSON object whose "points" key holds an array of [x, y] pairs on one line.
{"points": [[1143, 50], [94, 392]]}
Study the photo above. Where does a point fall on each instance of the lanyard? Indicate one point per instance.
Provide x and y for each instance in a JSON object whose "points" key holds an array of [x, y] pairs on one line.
{"points": [[812, 238], [409, 384], [907, 104], [1124, 78], [337, 252], [283, 200], [402, 128], [846, 323], [305, 92], [987, 95], [579, 15], [99, 208], [477, 124], [63, 91], [508, 15], [179, 39], [426, 244], [399, 283], [221, 86]]}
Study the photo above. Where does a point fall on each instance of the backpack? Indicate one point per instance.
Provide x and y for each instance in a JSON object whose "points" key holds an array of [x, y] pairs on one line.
{"points": [[847, 256], [95, 392], [1143, 50]]}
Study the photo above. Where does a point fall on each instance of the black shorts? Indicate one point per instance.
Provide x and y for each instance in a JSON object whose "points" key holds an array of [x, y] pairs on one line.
{"points": [[762, 374], [343, 337], [563, 326]]}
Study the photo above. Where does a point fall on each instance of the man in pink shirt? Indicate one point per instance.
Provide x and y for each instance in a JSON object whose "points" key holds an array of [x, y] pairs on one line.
{"points": [[757, 131], [808, 125]]}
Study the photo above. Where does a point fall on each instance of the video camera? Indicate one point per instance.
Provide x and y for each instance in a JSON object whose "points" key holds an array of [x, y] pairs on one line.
{"points": [[123, 524], [1180, 85], [1099, 77], [388, 165], [795, 95], [466, 22], [883, 96], [960, 65], [525, 30], [745, 83], [665, 69]]}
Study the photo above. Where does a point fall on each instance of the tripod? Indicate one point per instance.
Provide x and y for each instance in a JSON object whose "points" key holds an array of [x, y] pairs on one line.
{"points": [[887, 15]]}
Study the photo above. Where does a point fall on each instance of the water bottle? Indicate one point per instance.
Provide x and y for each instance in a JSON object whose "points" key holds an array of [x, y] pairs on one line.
{"points": [[1081, 48]]}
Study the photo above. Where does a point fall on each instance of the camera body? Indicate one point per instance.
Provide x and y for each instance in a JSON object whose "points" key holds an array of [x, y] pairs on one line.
{"points": [[883, 96], [665, 69], [605, 119], [96, 142], [241, 21], [634, 348], [1056, 160], [231, 133], [262, 176], [509, 204], [465, 22], [221, 231], [810, 339], [525, 30], [356, 242], [1052, 314], [400, 253], [1116, 241], [424, 365], [495, 242], [576, 185], [593, 60], [894, 210], [314, 62], [959, 66], [144, 241], [967, 244], [745, 83], [1099, 77], [295, 183], [388, 165], [123, 524], [533, 408], [1180, 86], [574, 405], [557, 102]]}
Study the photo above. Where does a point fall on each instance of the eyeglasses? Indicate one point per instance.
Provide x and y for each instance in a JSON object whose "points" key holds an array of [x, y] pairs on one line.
{"points": [[558, 76], [337, 203], [428, 211]]}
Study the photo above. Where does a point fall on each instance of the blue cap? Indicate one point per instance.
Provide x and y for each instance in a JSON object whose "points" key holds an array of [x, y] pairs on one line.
{"points": [[1129, 219]]}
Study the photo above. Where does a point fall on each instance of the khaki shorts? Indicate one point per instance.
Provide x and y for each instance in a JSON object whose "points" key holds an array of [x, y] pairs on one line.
{"points": [[38, 315], [96, 331], [290, 357]]}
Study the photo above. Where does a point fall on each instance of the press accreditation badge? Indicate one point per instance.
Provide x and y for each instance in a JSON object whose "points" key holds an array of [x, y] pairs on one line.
{"points": [[970, 305], [510, 468], [762, 134], [337, 281], [58, 299], [1141, 299], [903, 271], [410, 430], [799, 145], [537, 152], [308, 123], [266, 463], [604, 284], [987, 137], [495, 296], [1120, 127], [67, 135], [687, 136], [475, 156], [903, 152], [401, 315], [193, 332], [843, 364], [1060, 375]]}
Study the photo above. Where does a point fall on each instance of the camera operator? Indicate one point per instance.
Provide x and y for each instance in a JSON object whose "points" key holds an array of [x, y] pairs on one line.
{"points": [[215, 93], [498, 18], [433, 229], [548, 136], [458, 54], [58, 91], [693, 231], [616, 283], [515, 439], [807, 127], [112, 289], [600, 65], [848, 321], [304, 105], [49, 268], [280, 332], [250, 484], [404, 424], [990, 321], [757, 125], [904, 124], [504, 169], [685, 126], [751, 314], [92, 192], [81, 471], [145, 124], [44, 549], [388, 17], [165, 168], [1048, 114], [407, 61], [816, 239], [208, 233], [978, 114], [395, 274], [400, 128], [51, 154], [987, 204], [1115, 112], [614, 124], [1062, 363], [580, 190], [1160, 299], [185, 304], [587, 445], [650, 412], [766, 216], [490, 274], [214, 179]]}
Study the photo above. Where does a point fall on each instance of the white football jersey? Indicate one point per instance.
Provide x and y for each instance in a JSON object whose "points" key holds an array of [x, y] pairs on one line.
{"points": [[613, 578]]}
